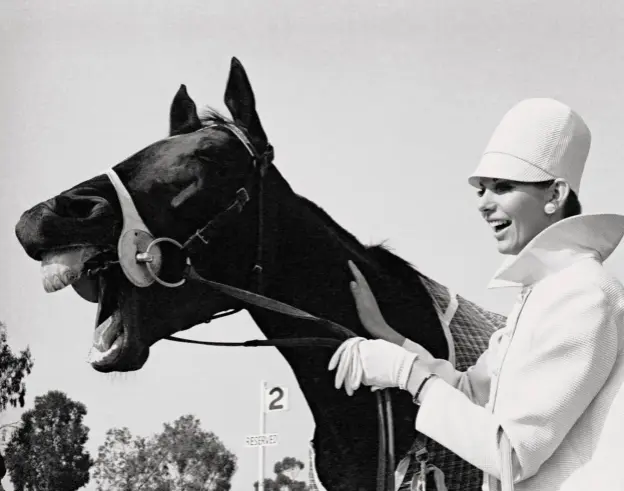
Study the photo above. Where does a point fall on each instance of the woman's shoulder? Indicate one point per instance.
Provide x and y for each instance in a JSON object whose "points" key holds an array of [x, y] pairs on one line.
{"points": [[585, 282], [582, 304], [577, 290], [587, 273]]}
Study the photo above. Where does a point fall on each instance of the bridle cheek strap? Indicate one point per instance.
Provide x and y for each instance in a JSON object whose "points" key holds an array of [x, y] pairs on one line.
{"points": [[135, 238]]}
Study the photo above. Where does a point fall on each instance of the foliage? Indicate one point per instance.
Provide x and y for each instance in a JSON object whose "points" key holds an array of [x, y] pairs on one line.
{"points": [[182, 457], [13, 371], [46, 453], [286, 472], [125, 463]]}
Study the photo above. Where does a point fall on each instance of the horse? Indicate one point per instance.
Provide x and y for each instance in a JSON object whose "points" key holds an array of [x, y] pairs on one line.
{"points": [[261, 236]]}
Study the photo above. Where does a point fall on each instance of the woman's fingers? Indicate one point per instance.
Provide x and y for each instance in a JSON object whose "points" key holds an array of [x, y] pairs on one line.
{"points": [[348, 366], [357, 274], [342, 373], [361, 290], [336, 356], [344, 366], [357, 370], [353, 377], [366, 303]]}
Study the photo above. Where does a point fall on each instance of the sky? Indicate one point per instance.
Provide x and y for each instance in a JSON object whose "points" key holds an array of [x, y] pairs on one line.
{"points": [[378, 112]]}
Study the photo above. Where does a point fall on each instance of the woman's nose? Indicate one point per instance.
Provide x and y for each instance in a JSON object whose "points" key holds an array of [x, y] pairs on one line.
{"points": [[485, 204]]}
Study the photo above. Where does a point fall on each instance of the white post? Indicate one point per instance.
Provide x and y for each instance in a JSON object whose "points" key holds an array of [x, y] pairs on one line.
{"points": [[262, 429]]}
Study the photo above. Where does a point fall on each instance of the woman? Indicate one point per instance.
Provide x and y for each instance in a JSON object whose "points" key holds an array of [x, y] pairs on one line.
{"points": [[530, 411]]}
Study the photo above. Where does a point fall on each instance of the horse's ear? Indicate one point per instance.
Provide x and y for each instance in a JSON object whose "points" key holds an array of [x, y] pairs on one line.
{"points": [[183, 116], [239, 99]]}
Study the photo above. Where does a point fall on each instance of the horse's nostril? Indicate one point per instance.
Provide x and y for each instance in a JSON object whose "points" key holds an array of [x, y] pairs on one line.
{"points": [[75, 207]]}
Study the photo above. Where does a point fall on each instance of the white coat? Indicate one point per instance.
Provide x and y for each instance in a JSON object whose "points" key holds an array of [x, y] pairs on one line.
{"points": [[548, 378], [604, 470]]}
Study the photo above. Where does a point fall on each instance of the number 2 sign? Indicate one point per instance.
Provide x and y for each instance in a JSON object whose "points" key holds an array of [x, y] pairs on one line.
{"points": [[276, 399]]}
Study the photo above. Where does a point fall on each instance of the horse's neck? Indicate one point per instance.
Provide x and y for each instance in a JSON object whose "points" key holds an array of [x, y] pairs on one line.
{"points": [[309, 270], [307, 266], [306, 256]]}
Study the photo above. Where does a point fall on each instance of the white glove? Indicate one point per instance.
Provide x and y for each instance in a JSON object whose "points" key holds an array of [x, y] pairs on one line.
{"points": [[372, 362]]}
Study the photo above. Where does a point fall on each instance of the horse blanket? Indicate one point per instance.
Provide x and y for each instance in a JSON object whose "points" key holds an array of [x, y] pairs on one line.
{"points": [[468, 329]]}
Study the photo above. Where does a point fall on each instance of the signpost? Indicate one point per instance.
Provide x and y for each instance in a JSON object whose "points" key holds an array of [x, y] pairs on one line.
{"points": [[271, 399], [276, 399], [266, 440]]}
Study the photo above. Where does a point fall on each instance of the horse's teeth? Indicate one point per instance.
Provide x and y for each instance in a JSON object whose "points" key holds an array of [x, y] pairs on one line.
{"points": [[106, 333], [55, 277], [57, 282], [61, 268], [70, 276], [96, 356]]}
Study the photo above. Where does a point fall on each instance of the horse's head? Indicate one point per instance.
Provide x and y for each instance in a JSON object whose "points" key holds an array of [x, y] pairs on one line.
{"points": [[89, 235]]}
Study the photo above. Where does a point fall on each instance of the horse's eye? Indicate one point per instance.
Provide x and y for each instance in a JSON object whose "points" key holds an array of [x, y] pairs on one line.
{"points": [[204, 158]]}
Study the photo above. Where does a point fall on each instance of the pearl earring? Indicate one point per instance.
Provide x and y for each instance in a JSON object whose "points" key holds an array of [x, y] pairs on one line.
{"points": [[550, 208]]}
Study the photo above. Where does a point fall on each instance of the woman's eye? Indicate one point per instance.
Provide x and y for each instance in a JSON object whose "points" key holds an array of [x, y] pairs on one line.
{"points": [[503, 187]]}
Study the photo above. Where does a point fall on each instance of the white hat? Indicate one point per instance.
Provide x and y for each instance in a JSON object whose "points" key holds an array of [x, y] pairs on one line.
{"points": [[537, 140]]}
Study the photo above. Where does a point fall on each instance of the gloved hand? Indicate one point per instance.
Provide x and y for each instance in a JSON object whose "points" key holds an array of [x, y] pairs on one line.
{"points": [[372, 362]]}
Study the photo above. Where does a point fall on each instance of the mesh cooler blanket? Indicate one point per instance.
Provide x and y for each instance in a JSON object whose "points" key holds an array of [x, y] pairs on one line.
{"points": [[468, 328]]}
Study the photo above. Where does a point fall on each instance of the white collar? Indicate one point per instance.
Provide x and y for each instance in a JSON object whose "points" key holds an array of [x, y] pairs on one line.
{"points": [[559, 245]]}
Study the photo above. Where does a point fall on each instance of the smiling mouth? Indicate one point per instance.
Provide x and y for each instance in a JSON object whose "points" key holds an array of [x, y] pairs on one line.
{"points": [[499, 225]]}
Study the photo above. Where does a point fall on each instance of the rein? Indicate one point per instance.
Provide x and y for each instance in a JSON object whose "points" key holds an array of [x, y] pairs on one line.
{"points": [[386, 458], [141, 261]]}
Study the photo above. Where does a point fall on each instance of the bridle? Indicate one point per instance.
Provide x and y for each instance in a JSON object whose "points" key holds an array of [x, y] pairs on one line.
{"points": [[140, 256]]}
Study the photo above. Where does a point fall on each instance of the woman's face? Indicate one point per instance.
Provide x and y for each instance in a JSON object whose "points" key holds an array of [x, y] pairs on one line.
{"points": [[515, 212]]}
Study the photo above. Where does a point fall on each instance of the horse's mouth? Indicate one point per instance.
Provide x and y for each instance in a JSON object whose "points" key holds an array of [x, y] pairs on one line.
{"points": [[111, 338]]}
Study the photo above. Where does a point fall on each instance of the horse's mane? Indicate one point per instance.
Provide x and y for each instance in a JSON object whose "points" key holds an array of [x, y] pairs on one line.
{"points": [[379, 254], [399, 284], [209, 115]]}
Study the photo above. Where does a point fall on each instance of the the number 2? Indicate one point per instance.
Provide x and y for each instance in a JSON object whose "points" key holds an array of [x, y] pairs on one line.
{"points": [[273, 405]]}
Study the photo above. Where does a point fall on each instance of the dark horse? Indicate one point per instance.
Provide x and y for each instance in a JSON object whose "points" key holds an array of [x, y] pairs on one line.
{"points": [[178, 184]]}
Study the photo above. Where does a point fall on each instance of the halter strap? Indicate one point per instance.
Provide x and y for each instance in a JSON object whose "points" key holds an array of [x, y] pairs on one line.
{"points": [[130, 215]]}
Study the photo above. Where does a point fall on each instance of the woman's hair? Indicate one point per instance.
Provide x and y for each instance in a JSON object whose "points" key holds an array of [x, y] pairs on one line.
{"points": [[572, 205]]}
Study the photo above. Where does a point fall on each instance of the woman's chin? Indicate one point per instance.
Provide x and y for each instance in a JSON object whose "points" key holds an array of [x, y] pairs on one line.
{"points": [[506, 248]]}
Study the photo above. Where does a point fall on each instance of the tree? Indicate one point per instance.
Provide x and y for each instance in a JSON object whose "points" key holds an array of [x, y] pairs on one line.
{"points": [[127, 463], [182, 457], [197, 459], [46, 453], [286, 472], [13, 371]]}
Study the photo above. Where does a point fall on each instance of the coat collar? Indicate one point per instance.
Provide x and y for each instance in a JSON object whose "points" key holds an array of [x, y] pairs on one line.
{"points": [[558, 246]]}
